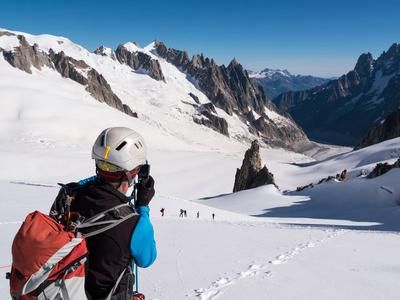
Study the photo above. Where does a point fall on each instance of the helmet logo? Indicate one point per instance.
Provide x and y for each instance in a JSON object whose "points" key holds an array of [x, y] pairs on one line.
{"points": [[105, 155]]}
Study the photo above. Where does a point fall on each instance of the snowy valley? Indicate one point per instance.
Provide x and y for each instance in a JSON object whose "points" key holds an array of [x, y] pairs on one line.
{"points": [[335, 240]]}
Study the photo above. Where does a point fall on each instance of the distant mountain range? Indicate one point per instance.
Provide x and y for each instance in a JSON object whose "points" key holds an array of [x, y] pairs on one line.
{"points": [[158, 85], [341, 111], [276, 82]]}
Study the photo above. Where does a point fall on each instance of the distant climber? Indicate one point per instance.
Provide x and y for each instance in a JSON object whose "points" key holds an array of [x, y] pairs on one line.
{"points": [[213, 216], [198, 214], [343, 175], [162, 210]]}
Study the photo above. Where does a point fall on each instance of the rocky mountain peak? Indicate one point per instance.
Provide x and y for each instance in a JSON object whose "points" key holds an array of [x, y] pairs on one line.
{"points": [[394, 50], [230, 89], [271, 72], [342, 110], [105, 51], [160, 49], [389, 61], [365, 65], [139, 61], [131, 46], [233, 63]]}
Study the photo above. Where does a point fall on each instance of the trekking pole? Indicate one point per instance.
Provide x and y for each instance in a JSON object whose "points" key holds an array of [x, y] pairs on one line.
{"points": [[136, 267], [136, 278], [135, 270]]}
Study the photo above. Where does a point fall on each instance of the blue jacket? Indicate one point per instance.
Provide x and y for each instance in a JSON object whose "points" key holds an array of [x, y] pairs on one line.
{"points": [[143, 245]]}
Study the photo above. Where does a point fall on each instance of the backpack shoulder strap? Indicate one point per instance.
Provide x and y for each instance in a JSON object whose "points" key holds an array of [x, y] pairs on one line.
{"points": [[119, 214]]}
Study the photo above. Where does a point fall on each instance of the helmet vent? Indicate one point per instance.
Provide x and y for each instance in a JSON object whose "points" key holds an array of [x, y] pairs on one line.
{"points": [[103, 140], [140, 144], [136, 146], [121, 146]]}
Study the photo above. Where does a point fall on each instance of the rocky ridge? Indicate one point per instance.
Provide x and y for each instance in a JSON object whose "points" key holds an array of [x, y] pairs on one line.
{"points": [[140, 62], [25, 56], [227, 88], [230, 89]]}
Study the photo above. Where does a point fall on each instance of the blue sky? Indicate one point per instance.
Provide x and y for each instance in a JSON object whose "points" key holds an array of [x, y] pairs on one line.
{"points": [[321, 38]]}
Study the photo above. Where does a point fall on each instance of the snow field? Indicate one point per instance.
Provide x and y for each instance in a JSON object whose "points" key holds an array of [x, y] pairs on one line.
{"points": [[338, 240]]}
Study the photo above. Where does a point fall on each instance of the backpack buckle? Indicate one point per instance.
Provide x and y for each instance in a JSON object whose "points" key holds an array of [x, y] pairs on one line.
{"points": [[115, 213]]}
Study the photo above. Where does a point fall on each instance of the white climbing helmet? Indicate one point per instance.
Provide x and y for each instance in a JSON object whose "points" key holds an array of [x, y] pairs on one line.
{"points": [[119, 149]]}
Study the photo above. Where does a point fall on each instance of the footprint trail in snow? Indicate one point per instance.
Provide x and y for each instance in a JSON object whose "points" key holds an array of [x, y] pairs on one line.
{"points": [[215, 289]]}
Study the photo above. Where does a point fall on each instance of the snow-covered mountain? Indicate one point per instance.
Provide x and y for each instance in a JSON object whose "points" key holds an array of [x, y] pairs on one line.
{"points": [[276, 82], [342, 110], [338, 240], [156, 84]]}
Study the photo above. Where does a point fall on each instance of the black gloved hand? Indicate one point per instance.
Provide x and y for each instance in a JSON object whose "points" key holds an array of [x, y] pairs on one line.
{"points": [[145, 192]]}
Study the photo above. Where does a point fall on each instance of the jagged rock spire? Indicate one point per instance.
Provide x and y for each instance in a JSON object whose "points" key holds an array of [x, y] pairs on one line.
{"points": [[252, 174]]}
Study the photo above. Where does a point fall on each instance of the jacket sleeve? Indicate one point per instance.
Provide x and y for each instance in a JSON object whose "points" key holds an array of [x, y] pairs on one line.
{"points": [[143, 245]]}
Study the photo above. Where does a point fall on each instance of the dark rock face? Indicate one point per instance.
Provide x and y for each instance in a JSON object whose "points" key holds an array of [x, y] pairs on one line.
{"points": [[382, 131], [276, 135], [382, 168], [341, 111], [195, 98], [230, 88], [140, 62], [276, 82], [6, 33], [25, 56], [365, 65], [104, 51], [68, 67], [252, 174], [211, 119]]}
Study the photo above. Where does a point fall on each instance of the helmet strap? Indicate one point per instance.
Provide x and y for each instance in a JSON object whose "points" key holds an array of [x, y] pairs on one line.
{"points": [[130, 179]]}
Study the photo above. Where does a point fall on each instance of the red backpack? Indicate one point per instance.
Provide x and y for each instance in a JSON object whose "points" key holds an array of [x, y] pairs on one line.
{"points": [[48, 256], [47, 261]]}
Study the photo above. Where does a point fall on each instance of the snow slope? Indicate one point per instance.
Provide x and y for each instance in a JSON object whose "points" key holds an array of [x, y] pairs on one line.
{"points": [[338, 240]]}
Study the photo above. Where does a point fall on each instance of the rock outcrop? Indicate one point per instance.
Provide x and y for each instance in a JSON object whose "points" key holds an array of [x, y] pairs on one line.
{"points": [[382, 168], [25, 56], [211, 119], [195, 98], [252, 174], [341, 111], [387, 129], [69, 67], [105, 51], [140, 62]]}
